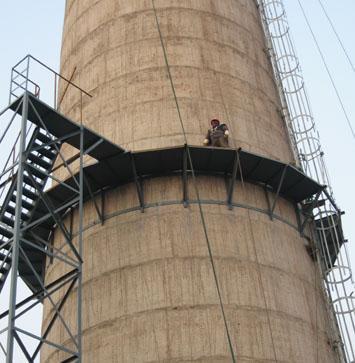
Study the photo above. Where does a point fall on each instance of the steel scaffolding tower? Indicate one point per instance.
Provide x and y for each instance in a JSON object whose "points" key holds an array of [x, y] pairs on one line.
{"points": [[30, 217]]}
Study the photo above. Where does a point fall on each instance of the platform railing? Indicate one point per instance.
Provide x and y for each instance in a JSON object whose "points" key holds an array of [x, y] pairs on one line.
{"points": [[33, 76]]}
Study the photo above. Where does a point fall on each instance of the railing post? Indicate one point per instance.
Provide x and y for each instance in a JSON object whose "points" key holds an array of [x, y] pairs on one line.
{"points": [[27, 73]]}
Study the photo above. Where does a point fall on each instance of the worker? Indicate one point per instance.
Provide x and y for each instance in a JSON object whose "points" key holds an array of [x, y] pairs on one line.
{"points": [[217, 135]]}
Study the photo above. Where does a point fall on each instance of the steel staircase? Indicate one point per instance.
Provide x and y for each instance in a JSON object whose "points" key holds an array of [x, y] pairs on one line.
{"points": [[39, 159]]}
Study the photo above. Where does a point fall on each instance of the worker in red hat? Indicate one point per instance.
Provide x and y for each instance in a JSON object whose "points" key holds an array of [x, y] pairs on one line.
{"points": [[217, 135]]}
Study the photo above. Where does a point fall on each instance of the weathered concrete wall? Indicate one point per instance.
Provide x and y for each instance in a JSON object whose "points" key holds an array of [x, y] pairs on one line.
{"points": [[218, 63], [149, 293]]}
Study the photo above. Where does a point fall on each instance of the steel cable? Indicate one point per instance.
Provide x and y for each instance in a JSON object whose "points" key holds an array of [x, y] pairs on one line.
{"points": [[341, 43], [262, 287], [203, 221], [327, 68]]}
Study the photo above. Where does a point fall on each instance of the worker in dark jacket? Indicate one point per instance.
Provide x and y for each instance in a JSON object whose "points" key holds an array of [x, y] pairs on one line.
{"points": [[217, 135]]}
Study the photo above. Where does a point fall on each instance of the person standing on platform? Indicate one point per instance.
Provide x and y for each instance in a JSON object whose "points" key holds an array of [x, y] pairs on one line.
{"points": [[217, 135]]}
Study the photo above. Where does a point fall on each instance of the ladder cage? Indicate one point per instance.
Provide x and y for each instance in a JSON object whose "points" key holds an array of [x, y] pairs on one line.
{"points": [[296, 110]]}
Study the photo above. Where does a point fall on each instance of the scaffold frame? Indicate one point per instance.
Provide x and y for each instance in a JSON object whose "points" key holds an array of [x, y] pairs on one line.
{"points": [[23, 241]]}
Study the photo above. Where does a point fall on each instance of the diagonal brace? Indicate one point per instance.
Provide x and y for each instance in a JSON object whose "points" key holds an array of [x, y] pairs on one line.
{"points": [[138, 184], [92, 197], [236, 165], [60, 224], [283, 175], [54, 318]]}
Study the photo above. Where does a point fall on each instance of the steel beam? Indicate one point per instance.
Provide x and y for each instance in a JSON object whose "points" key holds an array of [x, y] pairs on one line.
{"points": [[58, 346], [57, 140], [56, 147], [22, 346], [93, 146], [80, 241], [36, 180], [185, 195], [57, 220], [92, 197], [53, 285], [17, 234], [102, 207], [282, 178], [54, 318], [138, 183], [232, 180], [29, 264]]}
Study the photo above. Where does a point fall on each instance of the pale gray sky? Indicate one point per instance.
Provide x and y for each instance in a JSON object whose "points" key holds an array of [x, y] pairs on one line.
{"points": [[35, 27]]}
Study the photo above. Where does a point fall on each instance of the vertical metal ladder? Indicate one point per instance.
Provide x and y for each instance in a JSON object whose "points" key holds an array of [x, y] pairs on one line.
{"points": [[40, 158]]}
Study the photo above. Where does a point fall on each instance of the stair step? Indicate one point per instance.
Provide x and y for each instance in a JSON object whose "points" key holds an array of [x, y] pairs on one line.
{"points": [[39, 161], [38, 172], [8, 221], [44, 138], [48, 153], [4, 270], [27, 180], [24, 203], [5, 247], [5, 258], [29, 194], [12, 210], [5, 232]]}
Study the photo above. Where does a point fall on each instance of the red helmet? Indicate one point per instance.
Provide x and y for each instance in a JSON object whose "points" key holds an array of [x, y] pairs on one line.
{"points": [[215, 121]]}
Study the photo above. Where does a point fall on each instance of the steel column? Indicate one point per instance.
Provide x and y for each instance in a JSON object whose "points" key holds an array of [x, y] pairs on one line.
{"points": [[17, 234], [80, 240], [185, 195]]}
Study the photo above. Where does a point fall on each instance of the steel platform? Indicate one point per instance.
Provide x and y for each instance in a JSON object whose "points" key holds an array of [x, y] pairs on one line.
{"points": [[116, 166]]}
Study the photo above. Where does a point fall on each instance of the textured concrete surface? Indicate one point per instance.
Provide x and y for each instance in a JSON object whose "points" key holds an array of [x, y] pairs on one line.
{"points": [[148, 289], [217, 56]]}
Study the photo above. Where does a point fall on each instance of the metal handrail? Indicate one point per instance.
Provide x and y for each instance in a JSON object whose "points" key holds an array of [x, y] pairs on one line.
{"points": [[25, 74]]}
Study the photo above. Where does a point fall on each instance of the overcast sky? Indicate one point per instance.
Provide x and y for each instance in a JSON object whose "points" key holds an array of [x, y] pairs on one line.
{"points": [[35, 27]]}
